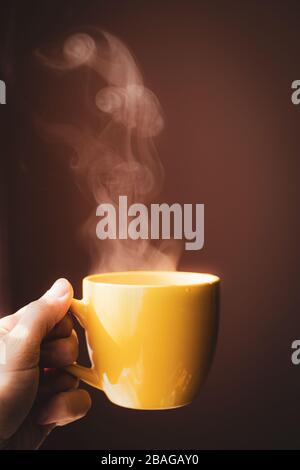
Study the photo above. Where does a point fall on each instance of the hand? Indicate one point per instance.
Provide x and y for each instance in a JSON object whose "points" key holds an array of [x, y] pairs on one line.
{"points": [[35, 396]]}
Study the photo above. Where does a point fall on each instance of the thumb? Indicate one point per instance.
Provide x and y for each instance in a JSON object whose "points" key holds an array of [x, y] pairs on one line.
{"points": [[40, 316]]}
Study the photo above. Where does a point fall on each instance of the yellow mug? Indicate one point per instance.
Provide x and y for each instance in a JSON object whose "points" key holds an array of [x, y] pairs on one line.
{"points": [[151, 335]]}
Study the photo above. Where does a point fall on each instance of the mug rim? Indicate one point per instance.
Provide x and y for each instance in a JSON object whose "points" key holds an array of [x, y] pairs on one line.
{"points": [[207, 278]]}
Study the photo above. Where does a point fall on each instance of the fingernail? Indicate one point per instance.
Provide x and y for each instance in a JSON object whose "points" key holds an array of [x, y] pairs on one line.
{"points": [[60, 288]]}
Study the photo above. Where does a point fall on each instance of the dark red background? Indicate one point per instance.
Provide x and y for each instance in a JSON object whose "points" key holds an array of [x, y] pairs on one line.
{"points": [[223, 73]]}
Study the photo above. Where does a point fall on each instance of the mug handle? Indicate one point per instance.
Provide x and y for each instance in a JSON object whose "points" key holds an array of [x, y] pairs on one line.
{"points": [[87, 374]]}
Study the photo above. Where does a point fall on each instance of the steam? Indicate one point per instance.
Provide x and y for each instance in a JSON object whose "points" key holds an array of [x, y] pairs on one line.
{"points": [[119, 157]]}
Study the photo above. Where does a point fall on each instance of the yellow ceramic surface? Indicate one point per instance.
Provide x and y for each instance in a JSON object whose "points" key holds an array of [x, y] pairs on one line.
{"points": [[151, 335]]}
